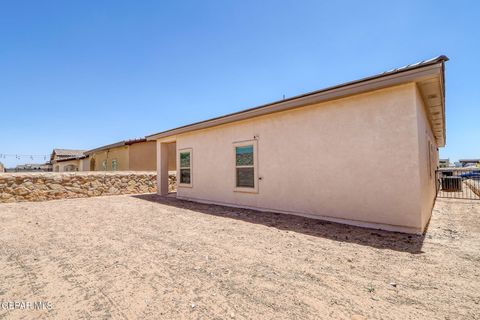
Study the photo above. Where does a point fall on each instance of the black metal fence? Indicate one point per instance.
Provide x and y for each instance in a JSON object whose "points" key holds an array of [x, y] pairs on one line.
{"points": [[458, 183]]}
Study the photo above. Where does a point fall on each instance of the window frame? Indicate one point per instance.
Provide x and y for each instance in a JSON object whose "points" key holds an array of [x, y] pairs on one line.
{"points": [[104, 165], [245, 143], [179, 183], [116, 165], [432, 160]]}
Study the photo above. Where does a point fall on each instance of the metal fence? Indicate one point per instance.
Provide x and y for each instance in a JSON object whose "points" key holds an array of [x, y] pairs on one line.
{"points": [[458, 183]]}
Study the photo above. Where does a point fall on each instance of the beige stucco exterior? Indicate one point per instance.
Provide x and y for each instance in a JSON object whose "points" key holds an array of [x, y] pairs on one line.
{"points": [[363, 152], [133, 157], [84, 164], [142, 156], [359, 160], [120, 154], [428, 159], [66, 165]]}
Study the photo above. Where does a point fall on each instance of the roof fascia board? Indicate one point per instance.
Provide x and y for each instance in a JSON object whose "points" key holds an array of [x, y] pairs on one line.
{"points": [[110, 146], [336, 92], [116, 145], [442, 84], [68, 159]]}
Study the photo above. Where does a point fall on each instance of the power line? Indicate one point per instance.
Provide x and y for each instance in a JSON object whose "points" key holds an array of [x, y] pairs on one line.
{"points": [[23, 156]]}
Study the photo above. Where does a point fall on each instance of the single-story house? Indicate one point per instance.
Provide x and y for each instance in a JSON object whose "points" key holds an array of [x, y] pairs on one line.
{"points": [[444, 163], [33, 167], [128, 155], [469, 162], [300, 155], [72, 164], [66, 159]]}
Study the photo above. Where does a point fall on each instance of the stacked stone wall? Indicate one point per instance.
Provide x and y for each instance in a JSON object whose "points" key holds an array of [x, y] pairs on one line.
{"points": [[16, 187]]}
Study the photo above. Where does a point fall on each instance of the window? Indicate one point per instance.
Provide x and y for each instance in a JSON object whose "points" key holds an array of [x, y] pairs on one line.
{"points": [[433, 160], [104, 165], [114, 165], [185, 160], [246, 175]]}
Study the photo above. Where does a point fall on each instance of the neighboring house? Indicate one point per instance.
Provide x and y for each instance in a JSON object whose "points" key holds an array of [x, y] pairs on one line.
{"points": [[2, 167], [444, 163], [129, 155], [469, 162], [71, 164], [33, 167], [66, 159], [58, 154], [300, 155]]}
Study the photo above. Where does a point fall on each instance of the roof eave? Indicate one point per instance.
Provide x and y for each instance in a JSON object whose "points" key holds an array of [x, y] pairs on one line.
{"points": [[381, 81], [116, 145], [109, 146]]}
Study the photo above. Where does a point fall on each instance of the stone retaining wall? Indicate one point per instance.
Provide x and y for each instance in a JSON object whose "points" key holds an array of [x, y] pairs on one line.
{"points": [[53, 185]]}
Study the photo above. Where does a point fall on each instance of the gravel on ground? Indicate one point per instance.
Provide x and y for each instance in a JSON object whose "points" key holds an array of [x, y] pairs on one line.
{"points": [[145, 256]]}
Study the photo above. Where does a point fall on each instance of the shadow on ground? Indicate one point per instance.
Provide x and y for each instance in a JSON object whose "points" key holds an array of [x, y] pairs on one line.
{"points": [[313, 227]]}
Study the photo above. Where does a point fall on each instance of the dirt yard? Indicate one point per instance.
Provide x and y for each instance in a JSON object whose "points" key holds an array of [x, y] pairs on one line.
{"points": [[128, 257]]}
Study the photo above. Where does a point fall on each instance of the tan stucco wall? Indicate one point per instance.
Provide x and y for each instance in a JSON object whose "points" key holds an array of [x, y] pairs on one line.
{"points": [[426, 170], [353, 160], [143, 156], [121, 154], [84, 164], [172, 157], [63, 164]]}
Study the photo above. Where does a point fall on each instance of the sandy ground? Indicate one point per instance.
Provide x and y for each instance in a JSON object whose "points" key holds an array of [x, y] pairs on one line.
{"points": [[128, 257]]}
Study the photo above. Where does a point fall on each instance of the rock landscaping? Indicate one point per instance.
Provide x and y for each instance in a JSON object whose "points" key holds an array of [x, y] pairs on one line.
{"points": [[16, 187]]}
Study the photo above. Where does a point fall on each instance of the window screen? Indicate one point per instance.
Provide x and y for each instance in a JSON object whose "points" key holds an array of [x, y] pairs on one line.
{"points": [[245, 166]]}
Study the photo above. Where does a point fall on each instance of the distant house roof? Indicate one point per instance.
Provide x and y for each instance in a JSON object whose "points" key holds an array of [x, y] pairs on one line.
{"points": [[469, 160], [116, 145], [426, 70], [67, 153], [30, 165], [72, 158]]}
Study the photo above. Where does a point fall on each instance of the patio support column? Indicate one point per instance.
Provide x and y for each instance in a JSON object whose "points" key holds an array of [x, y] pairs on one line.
{"points": [[162, 168]]}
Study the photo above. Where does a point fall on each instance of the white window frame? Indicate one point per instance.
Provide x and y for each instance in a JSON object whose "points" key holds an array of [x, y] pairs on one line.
{"points": [[429, 158], [432, 160], [116, 165], [179, 184], [245, 143]]}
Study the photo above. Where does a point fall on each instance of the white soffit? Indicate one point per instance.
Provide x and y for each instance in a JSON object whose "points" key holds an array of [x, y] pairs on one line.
{"points": [[433, 97]]}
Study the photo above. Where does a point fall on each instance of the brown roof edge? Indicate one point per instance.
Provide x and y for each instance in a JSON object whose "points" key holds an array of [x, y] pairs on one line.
{"points": [[68, 152], [72, 158], [116, 144], [129, 142], [303, 99]]}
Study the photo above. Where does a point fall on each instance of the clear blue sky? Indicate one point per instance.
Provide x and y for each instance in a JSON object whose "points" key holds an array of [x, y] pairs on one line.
{"points": [[81, 74]]}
